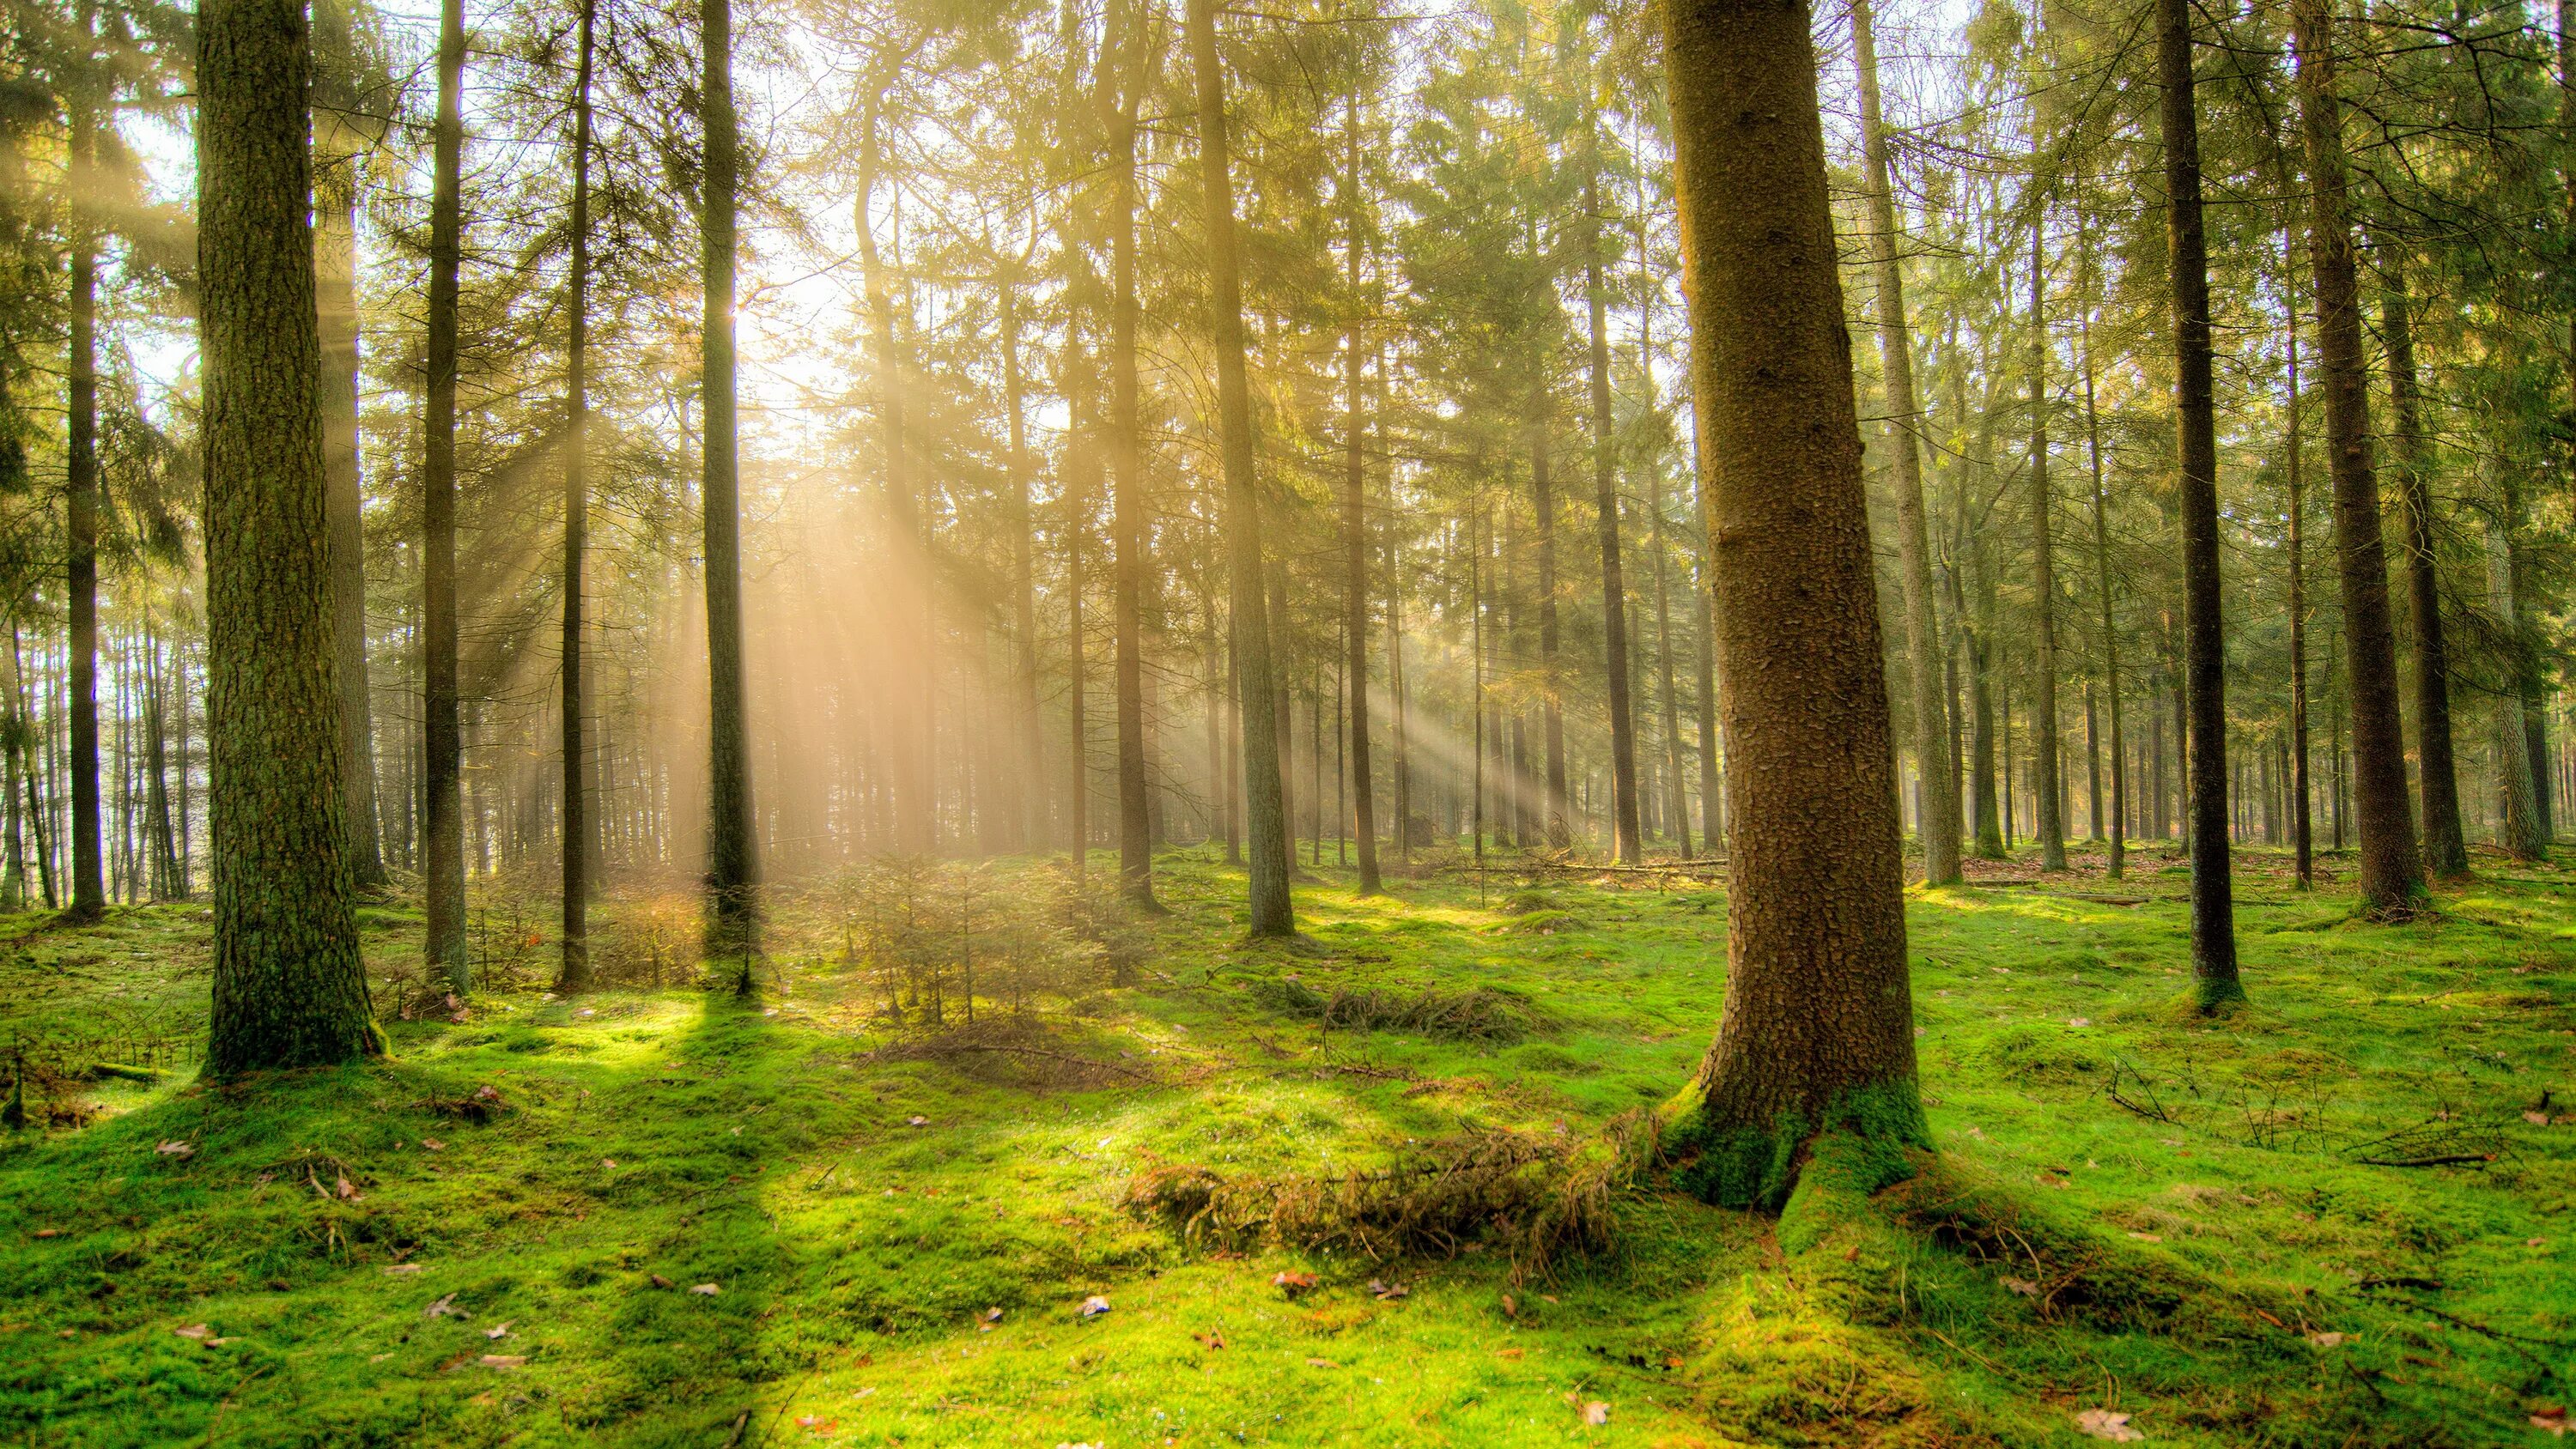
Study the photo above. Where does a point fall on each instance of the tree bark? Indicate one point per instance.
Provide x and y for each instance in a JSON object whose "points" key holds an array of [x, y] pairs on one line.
{"points": [[2446, 849], [2213, 908], [1026, 823], [289, 987], [1936, 792], [444, 867], [80, 512], [575, 972], [732, 882], [1627, 841], [1130, 25], [2052, 820], [336, 264], [1816, 1037], [2302, 835], [2391, 872], [1264, 807], [2519, 827]]}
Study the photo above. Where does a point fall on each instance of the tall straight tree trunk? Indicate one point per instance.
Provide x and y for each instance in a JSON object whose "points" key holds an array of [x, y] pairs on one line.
{"points": [[335, 217], [2302, 836], [2052, 818], [444, 805], [289, 987], [1816, 1037], [1130, 26], [2116, 860], [1936, 792], [1081, 387], [1355, 621], [916, 804], [1627, 840], [2391, 871], [2446, 849], [1559, 817], [575, 973], [2518, 827], [80, 513], [1983, 794], [1031, 776], [732, 868], [1265, 808], [2213, 907]]}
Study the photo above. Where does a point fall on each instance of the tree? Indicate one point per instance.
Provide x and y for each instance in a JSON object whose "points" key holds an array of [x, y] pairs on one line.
{"points": [[1817, 1036], [289, 987], [1132, 49], [82, 100], [575, 975], [2213, 909], [443, 800], [2052, 828], [1936, 792], [1355, 604], [2391, 871], [1265, 807], [732, 872], [1626, 837], [2446, 848]]}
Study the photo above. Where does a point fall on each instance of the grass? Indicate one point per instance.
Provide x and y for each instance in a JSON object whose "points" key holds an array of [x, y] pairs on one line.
{"points": [[2133, 1210]]}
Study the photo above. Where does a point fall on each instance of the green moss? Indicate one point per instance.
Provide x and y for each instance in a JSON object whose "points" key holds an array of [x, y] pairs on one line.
{"points": [[1861, 1139]]}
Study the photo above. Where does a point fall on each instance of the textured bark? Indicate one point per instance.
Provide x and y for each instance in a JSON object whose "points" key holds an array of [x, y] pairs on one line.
{"points": [[1559, 819], [1132, 47], [1817, 1031], [2052, 819], [80, 512], [2115, 859], [1264, 805], [1355, 611], [575, 973], [1977, 634], [2391, 872], [443, 868], [289, 988], [2446, 849], [1936, 791], [2302, 835], [2520, 828], [1027, 823], [2213, 907], [1627, 841], [732, 882], [336, 265]]}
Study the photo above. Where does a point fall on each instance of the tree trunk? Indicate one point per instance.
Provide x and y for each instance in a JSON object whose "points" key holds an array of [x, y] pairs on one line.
{"points": [[575, 972], [1027, 822], [2446, 850], [2391, 871], [1265, 810], [1132, 46], [1627, 842], [2302, 835], [732, 869], [2213, 906], [2519, 827], [444, 869], [1936, 792], [1558, 816], [1081, 389], [336, 264], [1355, 623], [289, 987], [2052, 818], [89, 894], [1816, 1037]]}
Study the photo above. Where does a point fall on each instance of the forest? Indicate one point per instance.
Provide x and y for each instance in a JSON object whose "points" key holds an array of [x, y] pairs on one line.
{"points": [[1128, 722]]}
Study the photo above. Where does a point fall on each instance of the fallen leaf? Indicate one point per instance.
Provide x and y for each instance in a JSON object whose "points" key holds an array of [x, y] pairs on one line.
{"points": [[917, 1122], [2022, 1286], [2107, 1424], [1387, 1292], [176, 1149], [1211, 1340], [2536, 1119], [1511, 1308], [396, 1270], [2527, 1242], [608, 1162], [2148, 1237], [197, 1331], [2556, 1424], [706, 1290], [1292, 1282], [992, 1315], [661, 1282], [347, 1190], [1092, 1307], [817, 1424], [1507, 1353], [49, 1232], [2079, 1021], [2326, 1340], [487, 1093], [503, 1360], [1596, 1412], [442, 1308], [498, 1330], [432, 1144], [1321, 1363]]}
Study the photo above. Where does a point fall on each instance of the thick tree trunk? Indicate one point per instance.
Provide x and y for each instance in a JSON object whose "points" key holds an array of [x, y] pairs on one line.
{"points": [[732, 881], [80, 513], [1817, 1037], [335, 216], [1626, 839], [575, 973], [1936, 792], [2446, 849], [1272, 914], [289, 987], [442, 788], [2043, 506], [2391, 871], [2213, 906], [1355, 622]]}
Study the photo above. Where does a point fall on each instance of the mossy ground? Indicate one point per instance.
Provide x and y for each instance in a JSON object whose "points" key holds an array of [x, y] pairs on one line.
{"points": [[2133, 1209]]}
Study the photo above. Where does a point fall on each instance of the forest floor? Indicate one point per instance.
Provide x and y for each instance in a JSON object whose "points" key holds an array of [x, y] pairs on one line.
{"points": [[656, 1217]]}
